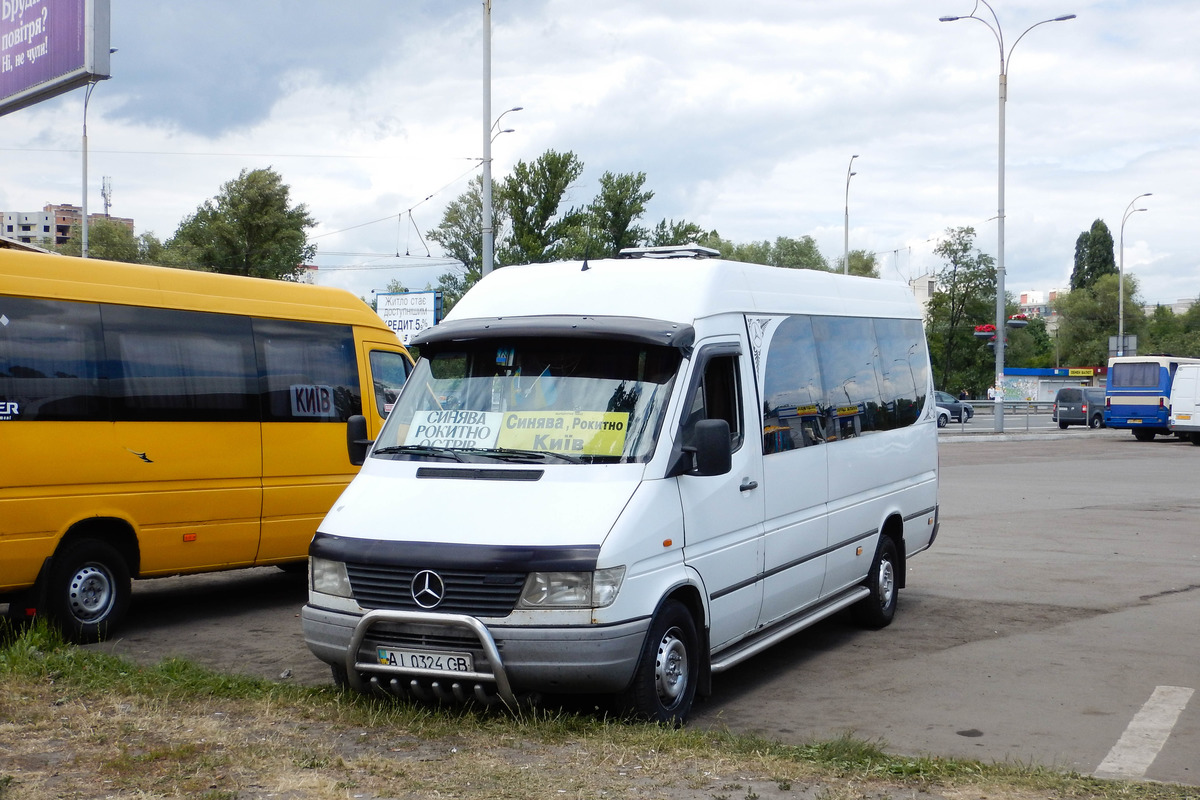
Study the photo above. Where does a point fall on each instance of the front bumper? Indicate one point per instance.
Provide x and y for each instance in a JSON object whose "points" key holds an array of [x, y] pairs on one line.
{"points": [[508, 661]]}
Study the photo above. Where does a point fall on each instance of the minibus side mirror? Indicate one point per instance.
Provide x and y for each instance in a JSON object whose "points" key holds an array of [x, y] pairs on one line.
{"points": [[356, 439], [707, 451]]}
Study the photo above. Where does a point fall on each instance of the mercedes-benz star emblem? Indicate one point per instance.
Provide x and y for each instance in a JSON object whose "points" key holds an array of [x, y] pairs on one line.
{"points": [[428, 588]]}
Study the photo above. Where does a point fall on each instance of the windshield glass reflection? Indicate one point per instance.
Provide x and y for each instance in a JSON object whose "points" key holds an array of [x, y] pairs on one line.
{"points": [[552, 400]]}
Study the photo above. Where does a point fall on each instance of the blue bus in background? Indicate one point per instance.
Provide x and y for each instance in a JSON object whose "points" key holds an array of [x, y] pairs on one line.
{"points": [[1137, 395]]}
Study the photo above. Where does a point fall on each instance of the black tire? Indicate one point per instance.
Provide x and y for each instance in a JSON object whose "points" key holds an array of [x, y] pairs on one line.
{"points": [[1196, 439], [943, 420], [340, 681], [1143, 436], [87, 590], [1062, 426], [878, 609], [664, 683], [1097, 421]]}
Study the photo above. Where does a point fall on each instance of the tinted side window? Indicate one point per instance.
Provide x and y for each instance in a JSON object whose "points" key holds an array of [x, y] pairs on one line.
{"points": [[830, 378], [793, 397], [389, 370], [719, 396], [904, 370], [51, 357], [180, 365], [310, 372], [849, 361]]}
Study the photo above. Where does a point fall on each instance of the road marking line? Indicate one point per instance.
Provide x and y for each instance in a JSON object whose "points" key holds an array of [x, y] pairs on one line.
{"points": [[1146, 734]]}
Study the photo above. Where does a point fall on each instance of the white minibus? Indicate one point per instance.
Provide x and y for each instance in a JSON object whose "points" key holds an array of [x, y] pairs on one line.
{"points": [[625, 476], [1184, 419]]}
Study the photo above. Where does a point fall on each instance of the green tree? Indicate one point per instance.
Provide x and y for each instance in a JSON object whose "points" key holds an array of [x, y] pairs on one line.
{"points": [[460, 233], [1177, 334], [1093, 256], [250, 228], [614, 214], [861, 263], [1030, 346], [106, 239], [801, 253], [670, 232], [1088, 317], [785, 251], [965, 297], [532, 196]]}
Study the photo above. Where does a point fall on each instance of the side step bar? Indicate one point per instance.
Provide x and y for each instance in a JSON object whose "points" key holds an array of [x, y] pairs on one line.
{"points": [[772, 636]]}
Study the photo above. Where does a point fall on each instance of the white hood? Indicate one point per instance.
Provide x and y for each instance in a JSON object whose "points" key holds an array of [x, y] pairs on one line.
{"points": [[576, 504]]}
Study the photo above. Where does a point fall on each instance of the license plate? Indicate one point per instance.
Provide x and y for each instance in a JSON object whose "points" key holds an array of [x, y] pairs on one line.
{"points": [[1183, 416], [422, 659], [1135, 422]]}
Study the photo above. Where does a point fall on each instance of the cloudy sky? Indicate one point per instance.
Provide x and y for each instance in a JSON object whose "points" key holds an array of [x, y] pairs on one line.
{"points": [[743, 116]]}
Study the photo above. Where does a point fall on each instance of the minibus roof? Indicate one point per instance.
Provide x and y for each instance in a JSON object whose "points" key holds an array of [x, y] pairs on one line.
{"points": [[59, 277], [679, 290]]}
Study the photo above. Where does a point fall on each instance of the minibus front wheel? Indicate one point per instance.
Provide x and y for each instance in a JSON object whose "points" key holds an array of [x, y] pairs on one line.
{"points": [[664, 684], [88, 590]]}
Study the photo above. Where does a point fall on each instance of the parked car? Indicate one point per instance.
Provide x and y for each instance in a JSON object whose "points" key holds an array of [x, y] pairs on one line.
{"points": [[957, 410], [1079, 405]]}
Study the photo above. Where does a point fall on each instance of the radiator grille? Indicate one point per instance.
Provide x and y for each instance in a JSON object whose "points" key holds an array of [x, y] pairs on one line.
{"points": [[479, 594]]}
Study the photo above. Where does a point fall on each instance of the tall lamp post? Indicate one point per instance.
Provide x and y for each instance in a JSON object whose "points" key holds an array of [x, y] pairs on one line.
{"points": [[1001, 316], [846, 255], [1129, 212], [489, 231]]}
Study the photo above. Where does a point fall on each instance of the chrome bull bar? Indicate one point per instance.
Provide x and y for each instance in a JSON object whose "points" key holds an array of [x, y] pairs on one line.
{"points": [[498, 675]]}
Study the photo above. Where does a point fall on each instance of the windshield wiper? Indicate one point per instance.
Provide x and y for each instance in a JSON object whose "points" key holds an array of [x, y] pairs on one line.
{"points": [[508, 454], [418, 450]]}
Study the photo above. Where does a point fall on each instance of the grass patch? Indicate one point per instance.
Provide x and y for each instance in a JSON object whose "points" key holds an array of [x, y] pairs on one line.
{"points": [[75, 723]]}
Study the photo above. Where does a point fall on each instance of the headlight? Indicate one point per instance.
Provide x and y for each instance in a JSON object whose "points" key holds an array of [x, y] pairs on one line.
{"points": [[329, 577], [572, 589]]}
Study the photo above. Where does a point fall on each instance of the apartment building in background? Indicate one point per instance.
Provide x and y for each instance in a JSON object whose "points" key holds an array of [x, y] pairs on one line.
{"points": [[50, 226]]}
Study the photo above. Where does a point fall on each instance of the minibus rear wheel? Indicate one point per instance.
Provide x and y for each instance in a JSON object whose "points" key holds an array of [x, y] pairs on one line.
{"points": [[88, 590], [878, 608], [664, 684]]}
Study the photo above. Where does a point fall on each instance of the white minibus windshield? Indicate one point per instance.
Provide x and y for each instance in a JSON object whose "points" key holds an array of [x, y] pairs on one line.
{"points": [[532, 399]]}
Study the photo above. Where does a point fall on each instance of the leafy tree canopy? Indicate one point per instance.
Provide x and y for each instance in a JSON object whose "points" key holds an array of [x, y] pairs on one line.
{"points": [[250, 228], [1093, 256], [965, 297], [459, 232], [615, 212], [670, 232], [862, 263], [532, 195], [106, 239], [1087, 318]]}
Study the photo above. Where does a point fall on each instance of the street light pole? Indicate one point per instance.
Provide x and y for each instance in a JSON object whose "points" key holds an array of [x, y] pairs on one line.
{"points": [[846, 256], [83, 209], [1129, 212], [489, 233], [1001, 315]]}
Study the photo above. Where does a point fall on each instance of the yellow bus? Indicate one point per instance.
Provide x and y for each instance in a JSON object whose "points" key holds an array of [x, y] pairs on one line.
{"points": [[159, 421]]}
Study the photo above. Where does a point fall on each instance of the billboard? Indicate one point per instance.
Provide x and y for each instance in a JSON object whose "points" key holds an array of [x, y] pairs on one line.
{"points": [[48, 47], [409, 313]]}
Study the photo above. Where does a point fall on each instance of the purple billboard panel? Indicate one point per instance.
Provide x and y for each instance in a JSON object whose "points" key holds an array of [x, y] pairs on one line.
{"points": [[50, 46]]}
